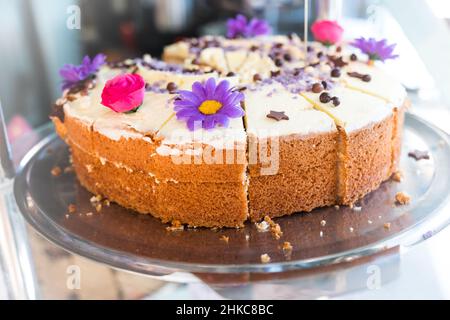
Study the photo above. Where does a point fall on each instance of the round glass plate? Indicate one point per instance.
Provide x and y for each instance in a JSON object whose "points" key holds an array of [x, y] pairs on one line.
{"points": [[140, 243]]}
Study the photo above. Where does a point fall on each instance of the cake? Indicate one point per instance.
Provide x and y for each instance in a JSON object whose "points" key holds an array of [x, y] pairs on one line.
{"points": [[320, 129]]}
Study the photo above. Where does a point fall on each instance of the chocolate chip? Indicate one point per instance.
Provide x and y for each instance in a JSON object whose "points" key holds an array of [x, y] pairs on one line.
{"points": [[319, 54], [353, 57], [278, 62], [325, 97], [231, 74], [172, 87], [335, 73], [257, 77], [254, 48], [317, 88], [287, 57], [324, 85], [336, 101], [309, 48], [242, 89]]}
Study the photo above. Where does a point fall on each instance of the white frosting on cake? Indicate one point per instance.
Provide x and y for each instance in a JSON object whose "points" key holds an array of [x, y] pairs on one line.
{"points": [[380, 83], [361, 103], [303, 118], [356, 110]]}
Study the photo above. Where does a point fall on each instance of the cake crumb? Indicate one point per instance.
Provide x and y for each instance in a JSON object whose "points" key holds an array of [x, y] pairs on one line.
{"points": [[397, 176], [95, 199], [351, 229], [402, 198], [337, 207], [72, 208], [321, 234], [68, 169], [89, 168], [369, 221], [106, 202], [265, 258], [323, 223], [225, 239], [275, 228], [67, 216], [56, 171], [247, 237], [357, 209], [262, 226], [89, 214], [98, 207], [175, 226], [287, 246], [387, 225]]}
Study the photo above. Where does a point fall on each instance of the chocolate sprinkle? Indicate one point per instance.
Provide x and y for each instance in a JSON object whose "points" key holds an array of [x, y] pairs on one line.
{"points": [[315, 64], [363, 77], [231, 74], [277, 115], [419, 155], [325, 84], [287, 57], [274, 74], [57, 112], [278, 45], [353, 57]]}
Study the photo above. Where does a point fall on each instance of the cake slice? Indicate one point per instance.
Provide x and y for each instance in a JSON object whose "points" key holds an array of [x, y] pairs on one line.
{"points": [[150, 162], [292, 153], [366, 125]]}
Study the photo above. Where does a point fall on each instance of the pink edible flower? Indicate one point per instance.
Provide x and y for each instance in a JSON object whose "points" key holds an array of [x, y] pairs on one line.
{"points": [[124, 93], [327, 32]]}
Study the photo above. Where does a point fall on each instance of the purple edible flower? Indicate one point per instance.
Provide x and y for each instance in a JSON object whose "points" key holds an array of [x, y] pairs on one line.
{"points": [[241, 27], [375, 49], [209, 104], [72, 74]]}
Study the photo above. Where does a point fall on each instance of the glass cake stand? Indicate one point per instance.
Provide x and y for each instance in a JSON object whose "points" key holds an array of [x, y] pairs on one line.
{"points": [[122, 239]]}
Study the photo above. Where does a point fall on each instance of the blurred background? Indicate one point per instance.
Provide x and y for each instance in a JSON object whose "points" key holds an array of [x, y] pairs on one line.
{"points": [[38, 37]]}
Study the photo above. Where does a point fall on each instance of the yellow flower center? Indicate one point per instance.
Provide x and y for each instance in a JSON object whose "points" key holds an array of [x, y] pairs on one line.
{"points": [[210, 107]]}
